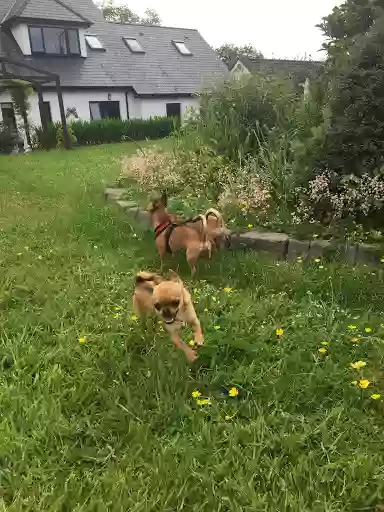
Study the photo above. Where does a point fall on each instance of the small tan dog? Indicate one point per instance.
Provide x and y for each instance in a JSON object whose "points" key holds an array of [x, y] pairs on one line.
{"points": [[173, 234], [172, 302]]}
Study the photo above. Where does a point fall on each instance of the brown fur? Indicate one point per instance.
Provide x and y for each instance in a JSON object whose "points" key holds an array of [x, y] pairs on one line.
{"points": [[172, 302], [190, 236]]}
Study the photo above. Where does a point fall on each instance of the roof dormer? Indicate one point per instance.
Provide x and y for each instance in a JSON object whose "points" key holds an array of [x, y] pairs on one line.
{"points": [[47, 27]]}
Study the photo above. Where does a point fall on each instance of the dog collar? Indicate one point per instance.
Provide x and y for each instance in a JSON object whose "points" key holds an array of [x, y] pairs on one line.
{"points": [[161, 228]]}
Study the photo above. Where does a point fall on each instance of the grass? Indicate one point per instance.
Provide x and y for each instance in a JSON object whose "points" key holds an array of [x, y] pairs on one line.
{"points": [[110, 424]]}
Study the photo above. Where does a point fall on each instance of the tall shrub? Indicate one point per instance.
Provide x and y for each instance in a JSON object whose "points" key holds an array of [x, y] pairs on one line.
{"points": [[237, 115], [355, 69]]}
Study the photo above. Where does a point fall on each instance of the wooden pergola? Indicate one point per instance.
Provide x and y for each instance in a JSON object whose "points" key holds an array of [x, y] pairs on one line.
{"points": [[13, 70]]}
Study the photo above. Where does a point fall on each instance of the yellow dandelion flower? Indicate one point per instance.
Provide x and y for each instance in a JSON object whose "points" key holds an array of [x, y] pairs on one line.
{"points": [[323, 350], [250, 226], [203, 401], [358, 365], [196, 394], [133, 318], [227, 289], [279, 332], [355, 340], [363, 383], [217, 327], [368, 329], [191, 342], [376, 396], [233, 392], [352, 327], [83, 339]]}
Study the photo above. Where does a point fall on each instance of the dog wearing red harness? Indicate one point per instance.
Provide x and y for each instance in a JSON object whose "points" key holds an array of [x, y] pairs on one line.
{"points": [[173, 234]]}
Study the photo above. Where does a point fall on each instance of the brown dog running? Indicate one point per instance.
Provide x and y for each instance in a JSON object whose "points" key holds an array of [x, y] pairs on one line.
{"points": [[172, 302], [172, 235]]}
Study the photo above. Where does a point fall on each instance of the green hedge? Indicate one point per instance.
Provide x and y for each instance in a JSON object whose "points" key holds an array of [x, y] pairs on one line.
{"points": [[109, 130]]}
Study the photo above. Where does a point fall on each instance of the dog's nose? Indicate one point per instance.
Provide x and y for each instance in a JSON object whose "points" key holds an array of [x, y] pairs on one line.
{"points": [[167, 313]]}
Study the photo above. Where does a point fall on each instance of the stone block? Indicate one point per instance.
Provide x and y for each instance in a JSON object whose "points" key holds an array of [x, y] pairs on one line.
{"points": [[114, 194], [276, 243], [320, 248], [348, 253], [126, 205], [369, 254], [296, 249]]}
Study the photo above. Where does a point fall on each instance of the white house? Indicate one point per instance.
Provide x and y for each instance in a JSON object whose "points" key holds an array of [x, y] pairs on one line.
{"points": [[105, 69]]}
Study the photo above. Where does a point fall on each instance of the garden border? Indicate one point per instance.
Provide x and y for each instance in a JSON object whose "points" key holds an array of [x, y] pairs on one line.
{"points": [[280, 245]]}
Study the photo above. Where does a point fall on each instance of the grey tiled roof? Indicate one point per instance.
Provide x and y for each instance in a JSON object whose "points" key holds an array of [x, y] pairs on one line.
{"points": [[298, 70], [160, 70], [43, 9]]}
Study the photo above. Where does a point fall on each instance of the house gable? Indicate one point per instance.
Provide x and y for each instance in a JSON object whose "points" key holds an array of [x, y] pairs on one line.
{"points": [[53, 10]]}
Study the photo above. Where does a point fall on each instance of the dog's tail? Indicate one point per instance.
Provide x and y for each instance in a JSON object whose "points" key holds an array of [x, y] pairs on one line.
{"points": [[217, 214], [148, 279], [204, 231]]}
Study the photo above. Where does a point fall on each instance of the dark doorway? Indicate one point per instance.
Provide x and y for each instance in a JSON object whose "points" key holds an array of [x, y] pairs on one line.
{"points": [[174, 110], [47, 111], [103, 109], [8, 114]]}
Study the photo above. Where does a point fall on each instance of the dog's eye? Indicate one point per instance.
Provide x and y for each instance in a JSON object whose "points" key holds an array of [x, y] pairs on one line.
{"points": [[158, 306], [174, 303]]}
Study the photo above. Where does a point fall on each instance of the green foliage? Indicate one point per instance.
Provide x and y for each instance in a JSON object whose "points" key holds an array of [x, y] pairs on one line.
{"points": [[229, 52], [60, 136], [235, 117], [115, 130], [42, 140], [7, 138], [355, 71], [123, 14], [104, 131]]}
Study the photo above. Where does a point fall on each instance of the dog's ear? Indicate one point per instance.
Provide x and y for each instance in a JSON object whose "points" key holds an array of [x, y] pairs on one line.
{"points": [[164, 198], [174, 276]]}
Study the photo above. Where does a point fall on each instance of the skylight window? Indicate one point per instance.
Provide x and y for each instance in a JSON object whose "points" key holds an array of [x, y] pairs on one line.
{"points": [[133, 45], [182, 48], [94, 42]]}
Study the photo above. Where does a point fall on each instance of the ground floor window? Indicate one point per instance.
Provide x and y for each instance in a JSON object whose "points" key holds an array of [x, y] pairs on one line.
{"points": [[8, 115], [174, 110], [103, 109]]}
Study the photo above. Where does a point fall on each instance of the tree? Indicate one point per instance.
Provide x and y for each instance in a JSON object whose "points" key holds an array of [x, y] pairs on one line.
{"points": [[355, 73], [20, 92], [123, 14], [229, 51]]}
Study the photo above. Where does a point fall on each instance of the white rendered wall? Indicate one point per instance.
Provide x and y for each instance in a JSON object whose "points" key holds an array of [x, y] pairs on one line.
{"points": [[138, 108]]}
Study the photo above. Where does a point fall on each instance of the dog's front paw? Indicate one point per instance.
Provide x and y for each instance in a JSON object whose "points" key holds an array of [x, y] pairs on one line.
{"points": [[199, 341], [191, 355]]}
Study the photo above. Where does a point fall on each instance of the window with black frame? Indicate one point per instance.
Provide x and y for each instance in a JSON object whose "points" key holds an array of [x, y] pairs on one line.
{"points": [[104, 109], [54, 40]]}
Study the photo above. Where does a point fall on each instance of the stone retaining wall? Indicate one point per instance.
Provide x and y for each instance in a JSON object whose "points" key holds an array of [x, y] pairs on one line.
{"points": [[278, 244]]}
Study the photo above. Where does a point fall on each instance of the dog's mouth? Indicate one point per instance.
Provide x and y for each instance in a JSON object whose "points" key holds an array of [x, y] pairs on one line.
{"points": [[169, 320]]}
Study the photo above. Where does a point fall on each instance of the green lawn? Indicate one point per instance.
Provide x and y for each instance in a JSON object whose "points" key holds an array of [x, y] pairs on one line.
{"points": [[110, 424]]}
